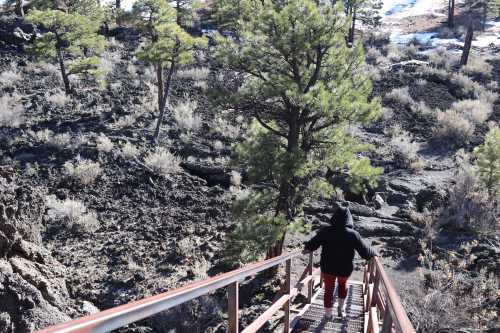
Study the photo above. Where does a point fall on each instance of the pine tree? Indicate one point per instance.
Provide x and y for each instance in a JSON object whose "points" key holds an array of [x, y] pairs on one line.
{"points": [[303, 87], [89, 8], [185, 12], [488, 162], [167, 48], [365, 11], [71, 40]]}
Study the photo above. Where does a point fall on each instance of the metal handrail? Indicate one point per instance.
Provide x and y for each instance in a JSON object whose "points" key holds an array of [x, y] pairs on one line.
{"points": [[387, 303], [400, 317], [120, 316]]}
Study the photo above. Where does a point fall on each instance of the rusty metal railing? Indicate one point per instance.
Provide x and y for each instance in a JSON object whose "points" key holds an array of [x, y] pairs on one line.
{"points": [[126, 314], [382, 303]]}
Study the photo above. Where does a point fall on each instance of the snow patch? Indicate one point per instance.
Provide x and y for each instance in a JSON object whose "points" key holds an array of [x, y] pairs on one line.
{"points": [[397, 9]]}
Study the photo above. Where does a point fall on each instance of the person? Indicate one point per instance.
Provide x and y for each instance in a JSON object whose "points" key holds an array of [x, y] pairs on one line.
{"points": [[338, 243]]}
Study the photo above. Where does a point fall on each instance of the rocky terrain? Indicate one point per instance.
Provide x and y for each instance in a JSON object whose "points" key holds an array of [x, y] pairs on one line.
{"points": [[139, 233]]}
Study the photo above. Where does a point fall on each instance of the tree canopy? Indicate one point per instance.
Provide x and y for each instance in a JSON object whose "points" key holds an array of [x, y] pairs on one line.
{"points": [[304, 88], [71, 39]]}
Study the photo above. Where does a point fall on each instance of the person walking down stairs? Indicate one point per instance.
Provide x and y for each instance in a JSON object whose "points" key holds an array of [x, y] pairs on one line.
{"points": [[338, 243]]}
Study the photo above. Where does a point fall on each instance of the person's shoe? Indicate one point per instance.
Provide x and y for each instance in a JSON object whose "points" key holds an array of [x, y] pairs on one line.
{"points": [[340, 310], [328, 313]]}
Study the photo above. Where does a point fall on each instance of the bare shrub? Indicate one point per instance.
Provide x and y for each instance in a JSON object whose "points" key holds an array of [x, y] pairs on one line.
{"points": [[421, 82], [236, 178], [477, 111], [421, 108], [129, 150], [184, 114], [11, 111], [477, 66], [401, 95], [225, 128], [394, 53], [470, 207], [43, 136], [84, 171], [218, 145], [373, 55], [163, 162], [405, 150], [125, 121], [10, 76], [441, 58], [411, 51], [104, 143], [203, 85], [59, 99], [62, 140], [72, 213], [453, 128]]}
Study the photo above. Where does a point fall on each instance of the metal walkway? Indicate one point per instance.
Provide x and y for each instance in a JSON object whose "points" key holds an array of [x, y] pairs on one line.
{"points": [[313, 320]]}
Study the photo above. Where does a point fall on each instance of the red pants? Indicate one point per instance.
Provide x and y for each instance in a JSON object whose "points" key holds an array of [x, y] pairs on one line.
{"points": [[329, 281]]}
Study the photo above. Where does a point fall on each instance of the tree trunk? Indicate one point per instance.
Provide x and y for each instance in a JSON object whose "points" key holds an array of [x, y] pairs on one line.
{"points": [[451, 13], [351, 29], [162, 96], [287, 188], [20, 8], [467, 44], [60, 58], [178, 12]]}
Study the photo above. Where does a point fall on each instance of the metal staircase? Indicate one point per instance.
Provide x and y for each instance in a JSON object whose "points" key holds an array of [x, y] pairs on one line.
{"points": [[372, 305]]}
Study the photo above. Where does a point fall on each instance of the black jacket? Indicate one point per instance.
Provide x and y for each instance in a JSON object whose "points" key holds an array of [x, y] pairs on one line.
{"points": [[338, 243]]}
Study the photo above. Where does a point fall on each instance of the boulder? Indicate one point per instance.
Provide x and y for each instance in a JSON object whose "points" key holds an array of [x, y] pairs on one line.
{"points": [[33, 289], [15, 31]]}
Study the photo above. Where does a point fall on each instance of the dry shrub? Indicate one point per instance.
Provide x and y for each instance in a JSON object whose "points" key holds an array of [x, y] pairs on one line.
{"points": [[184, 114], [477, 111], [71, 213], [394, 53], [11, 111], [104, 143], [421, 108], [441, 58], [225, 128], [472, 89], [452, 128], [477, 66], [84, 171], [10, 76], [405, 150], [470, 207], [59, 99], [129, 150], [162, 162], [401, 95]]}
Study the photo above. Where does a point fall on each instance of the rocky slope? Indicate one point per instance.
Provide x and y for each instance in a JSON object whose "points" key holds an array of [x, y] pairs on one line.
{"points": [[155, 233]]}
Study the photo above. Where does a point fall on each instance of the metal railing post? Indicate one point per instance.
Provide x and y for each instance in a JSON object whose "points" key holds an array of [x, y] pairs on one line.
{"points": [[233, 307], [286, 307], [387, 322], [376, 288], [310, 285]]}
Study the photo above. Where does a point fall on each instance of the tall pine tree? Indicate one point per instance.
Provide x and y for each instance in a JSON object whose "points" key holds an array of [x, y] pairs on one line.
{"points": [[303, 86], [168, 46], [71, 40]]}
